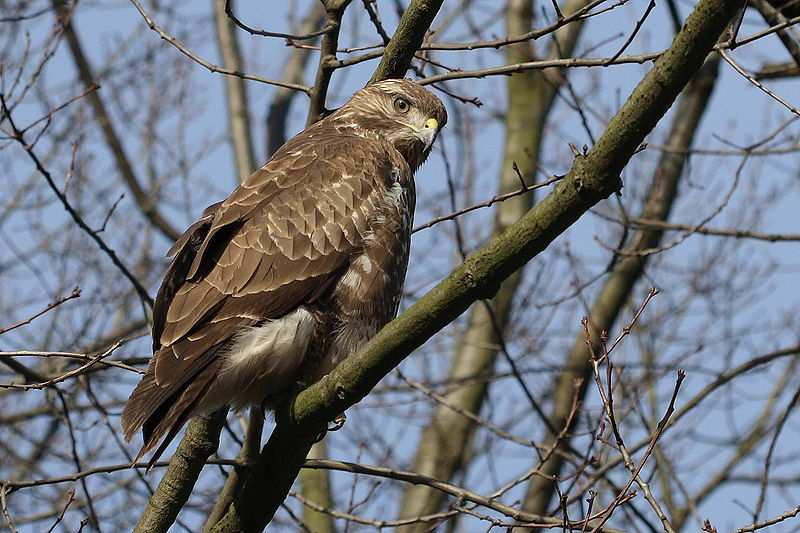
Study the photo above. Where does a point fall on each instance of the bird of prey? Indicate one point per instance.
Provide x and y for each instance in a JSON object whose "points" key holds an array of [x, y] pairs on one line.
{"points": [[294, 271]]}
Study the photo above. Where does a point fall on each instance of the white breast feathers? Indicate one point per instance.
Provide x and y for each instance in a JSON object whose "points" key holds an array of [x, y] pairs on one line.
{"points": [[262, 360]]}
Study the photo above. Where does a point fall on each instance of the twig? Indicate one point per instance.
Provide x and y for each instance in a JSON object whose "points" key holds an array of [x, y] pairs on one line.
{"points": [[144, 199], [376, 21], [703, 394], [265, 33], [487, 203], [76, 293], [60, 517], [438, 398], [608, 404], [649, 223], [778, 519], [636, 29], [210, 66], [768, 460], [14, 486], [4, 507], [773, 17], [71, 355], [729, 60], [505, 70], [379, 524], [65, 376], [459, 493]]}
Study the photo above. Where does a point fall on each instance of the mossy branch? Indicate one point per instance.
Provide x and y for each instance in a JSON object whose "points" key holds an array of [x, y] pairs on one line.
{"points": [[201, 440]]}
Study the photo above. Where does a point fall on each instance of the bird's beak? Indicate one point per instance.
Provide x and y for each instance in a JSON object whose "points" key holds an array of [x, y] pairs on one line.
{"points": [[428, 133]]}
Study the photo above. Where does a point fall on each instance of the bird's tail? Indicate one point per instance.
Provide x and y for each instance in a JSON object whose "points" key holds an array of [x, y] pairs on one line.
{"points": [[159, 411]]}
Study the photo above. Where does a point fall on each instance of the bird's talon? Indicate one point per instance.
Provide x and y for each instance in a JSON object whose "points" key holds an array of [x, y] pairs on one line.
{"points": [[338, 422]]}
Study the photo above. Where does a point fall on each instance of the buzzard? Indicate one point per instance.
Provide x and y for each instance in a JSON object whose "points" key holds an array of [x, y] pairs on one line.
{"points": [[294, 271]]}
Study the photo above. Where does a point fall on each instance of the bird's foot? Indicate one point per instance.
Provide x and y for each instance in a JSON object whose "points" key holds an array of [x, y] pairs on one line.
{"points": [[334, 425], [338, 422]]}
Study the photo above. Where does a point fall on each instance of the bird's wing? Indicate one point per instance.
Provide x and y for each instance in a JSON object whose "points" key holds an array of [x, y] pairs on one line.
{"points": [[279, 241]]}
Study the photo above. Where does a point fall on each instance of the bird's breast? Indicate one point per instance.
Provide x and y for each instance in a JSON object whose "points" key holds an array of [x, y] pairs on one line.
{"points": [[368, 294]]}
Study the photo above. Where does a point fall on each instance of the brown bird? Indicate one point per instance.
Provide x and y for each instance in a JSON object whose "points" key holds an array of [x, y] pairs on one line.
{"points": [[294, 271]]}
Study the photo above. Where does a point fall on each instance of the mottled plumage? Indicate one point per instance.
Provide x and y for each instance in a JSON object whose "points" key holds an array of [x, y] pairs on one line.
{"points": [[295, 270]]}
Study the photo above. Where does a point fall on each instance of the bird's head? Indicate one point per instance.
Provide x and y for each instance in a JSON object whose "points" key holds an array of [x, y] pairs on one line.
{"points": [[400, 111]]}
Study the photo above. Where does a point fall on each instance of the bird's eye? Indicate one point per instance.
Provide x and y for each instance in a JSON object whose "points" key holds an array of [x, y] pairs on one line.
{"points": [[401, 105]]}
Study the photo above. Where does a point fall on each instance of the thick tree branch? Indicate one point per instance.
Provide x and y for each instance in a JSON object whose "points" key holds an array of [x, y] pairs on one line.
{"points": [[592, 178]]}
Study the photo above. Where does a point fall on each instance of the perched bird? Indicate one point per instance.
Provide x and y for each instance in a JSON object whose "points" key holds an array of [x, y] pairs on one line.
{"points": [[294, 271]]}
